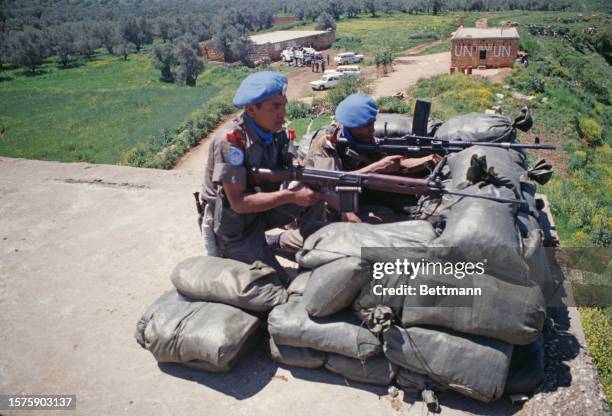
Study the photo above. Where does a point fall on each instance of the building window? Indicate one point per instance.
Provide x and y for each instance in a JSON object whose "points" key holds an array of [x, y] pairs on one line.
{"points": [[483, 54]]}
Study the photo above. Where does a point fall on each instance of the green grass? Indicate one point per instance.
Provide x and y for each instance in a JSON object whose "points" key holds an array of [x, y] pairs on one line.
{"points": [[575, 79], [300, 125], [98, 111], [597, 323], [441, 47], [396, 31]]}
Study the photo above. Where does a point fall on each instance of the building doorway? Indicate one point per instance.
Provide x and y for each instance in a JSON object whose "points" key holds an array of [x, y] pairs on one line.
{"points": [[483, 54]]}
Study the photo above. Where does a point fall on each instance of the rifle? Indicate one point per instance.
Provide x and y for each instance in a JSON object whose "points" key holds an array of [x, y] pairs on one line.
{"points": [[418, 146], [349, 185]]}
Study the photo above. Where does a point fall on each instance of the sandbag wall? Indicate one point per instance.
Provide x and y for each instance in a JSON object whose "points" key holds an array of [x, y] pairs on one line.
{"points": [[491, 347], [329, 317], [214, 315]]}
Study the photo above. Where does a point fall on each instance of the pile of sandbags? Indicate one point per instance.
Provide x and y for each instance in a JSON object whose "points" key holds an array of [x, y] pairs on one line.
{"points": [[482, 349], [482, 127], [317, 327], [213, 316], [332, 315]]}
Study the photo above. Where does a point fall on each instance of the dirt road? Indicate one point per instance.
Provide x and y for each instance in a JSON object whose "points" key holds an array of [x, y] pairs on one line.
{"points": [[408, 69]]}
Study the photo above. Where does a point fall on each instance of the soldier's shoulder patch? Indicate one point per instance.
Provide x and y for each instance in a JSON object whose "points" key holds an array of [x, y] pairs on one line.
{"points": [[235, 156], [237, 138]]}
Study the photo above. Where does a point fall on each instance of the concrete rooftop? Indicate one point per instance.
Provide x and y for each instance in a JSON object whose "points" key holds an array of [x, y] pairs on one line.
{"points": [[85, 249], [488, 33], [283, 36]]}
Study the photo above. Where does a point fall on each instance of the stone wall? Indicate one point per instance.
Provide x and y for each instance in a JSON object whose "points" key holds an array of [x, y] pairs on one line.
{"points": [[284, 20], [273, 50]]}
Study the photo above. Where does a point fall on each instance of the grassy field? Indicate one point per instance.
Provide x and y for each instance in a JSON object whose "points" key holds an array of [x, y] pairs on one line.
{"points": [[575, 79], [397, 31], [97, 111]]}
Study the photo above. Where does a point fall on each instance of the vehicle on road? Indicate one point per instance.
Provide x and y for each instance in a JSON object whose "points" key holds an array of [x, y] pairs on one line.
{"points": [[329, 80], [348, 58], [349, 69]]}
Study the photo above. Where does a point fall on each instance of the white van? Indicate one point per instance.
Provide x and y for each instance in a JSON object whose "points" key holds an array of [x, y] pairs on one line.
{"points": [[349, 69], [347, 58]]}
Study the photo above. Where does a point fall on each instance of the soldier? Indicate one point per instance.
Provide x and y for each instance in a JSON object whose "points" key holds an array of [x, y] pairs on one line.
{"points": [[355, 117], [238, 212]]}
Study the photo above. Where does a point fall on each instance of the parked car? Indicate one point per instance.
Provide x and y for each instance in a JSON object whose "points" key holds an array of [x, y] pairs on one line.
{"points": [[329, 80], [348, 58], [349, 69]]}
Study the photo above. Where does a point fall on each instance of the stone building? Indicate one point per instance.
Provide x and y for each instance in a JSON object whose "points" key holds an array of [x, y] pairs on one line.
{"points": [[493, 47], [271, 44]]}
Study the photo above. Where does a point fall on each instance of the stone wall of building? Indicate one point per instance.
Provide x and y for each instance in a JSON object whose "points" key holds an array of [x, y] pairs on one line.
{"points": [[273, 50], [284, 20], [497, 53]]}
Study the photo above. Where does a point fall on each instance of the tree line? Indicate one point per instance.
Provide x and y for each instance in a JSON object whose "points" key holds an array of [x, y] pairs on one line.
{"points": [[32, 31]]}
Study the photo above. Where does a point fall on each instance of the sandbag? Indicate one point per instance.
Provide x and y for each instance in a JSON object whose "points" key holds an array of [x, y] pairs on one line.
{"points": [[392, 125], [333, 286], [204, 335], [526, 368], [514, 313], [488, 165], [254, 287], [469, 364], [298, 285], [478, 229], [343, 239], [296, 356], [482, 127], [376, 370], [368, 301], [289, 324], [398, 125], [536, 258], [409, 380]]}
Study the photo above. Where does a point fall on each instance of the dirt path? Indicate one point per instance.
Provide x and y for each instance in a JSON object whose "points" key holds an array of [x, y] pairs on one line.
{"points": [[408, 70], [483, 22], [415, 50]]}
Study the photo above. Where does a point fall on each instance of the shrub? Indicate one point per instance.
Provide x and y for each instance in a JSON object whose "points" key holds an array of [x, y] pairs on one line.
{"points": [[297, 109], [393, 105], [536, 84], [590, 131], [596, 322]]}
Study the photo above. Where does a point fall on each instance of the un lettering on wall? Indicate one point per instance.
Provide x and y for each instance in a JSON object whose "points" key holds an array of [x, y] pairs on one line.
{"points": [[498, 51]]}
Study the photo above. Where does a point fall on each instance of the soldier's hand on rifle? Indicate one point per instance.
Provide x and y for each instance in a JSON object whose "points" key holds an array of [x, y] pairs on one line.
{"points": [[388, 164], [420, 163], [304, 196], [350, 217]]}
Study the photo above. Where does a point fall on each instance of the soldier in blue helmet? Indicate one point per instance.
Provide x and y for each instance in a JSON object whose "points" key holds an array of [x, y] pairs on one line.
{"points": [[237, 214], [355, 117]]}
